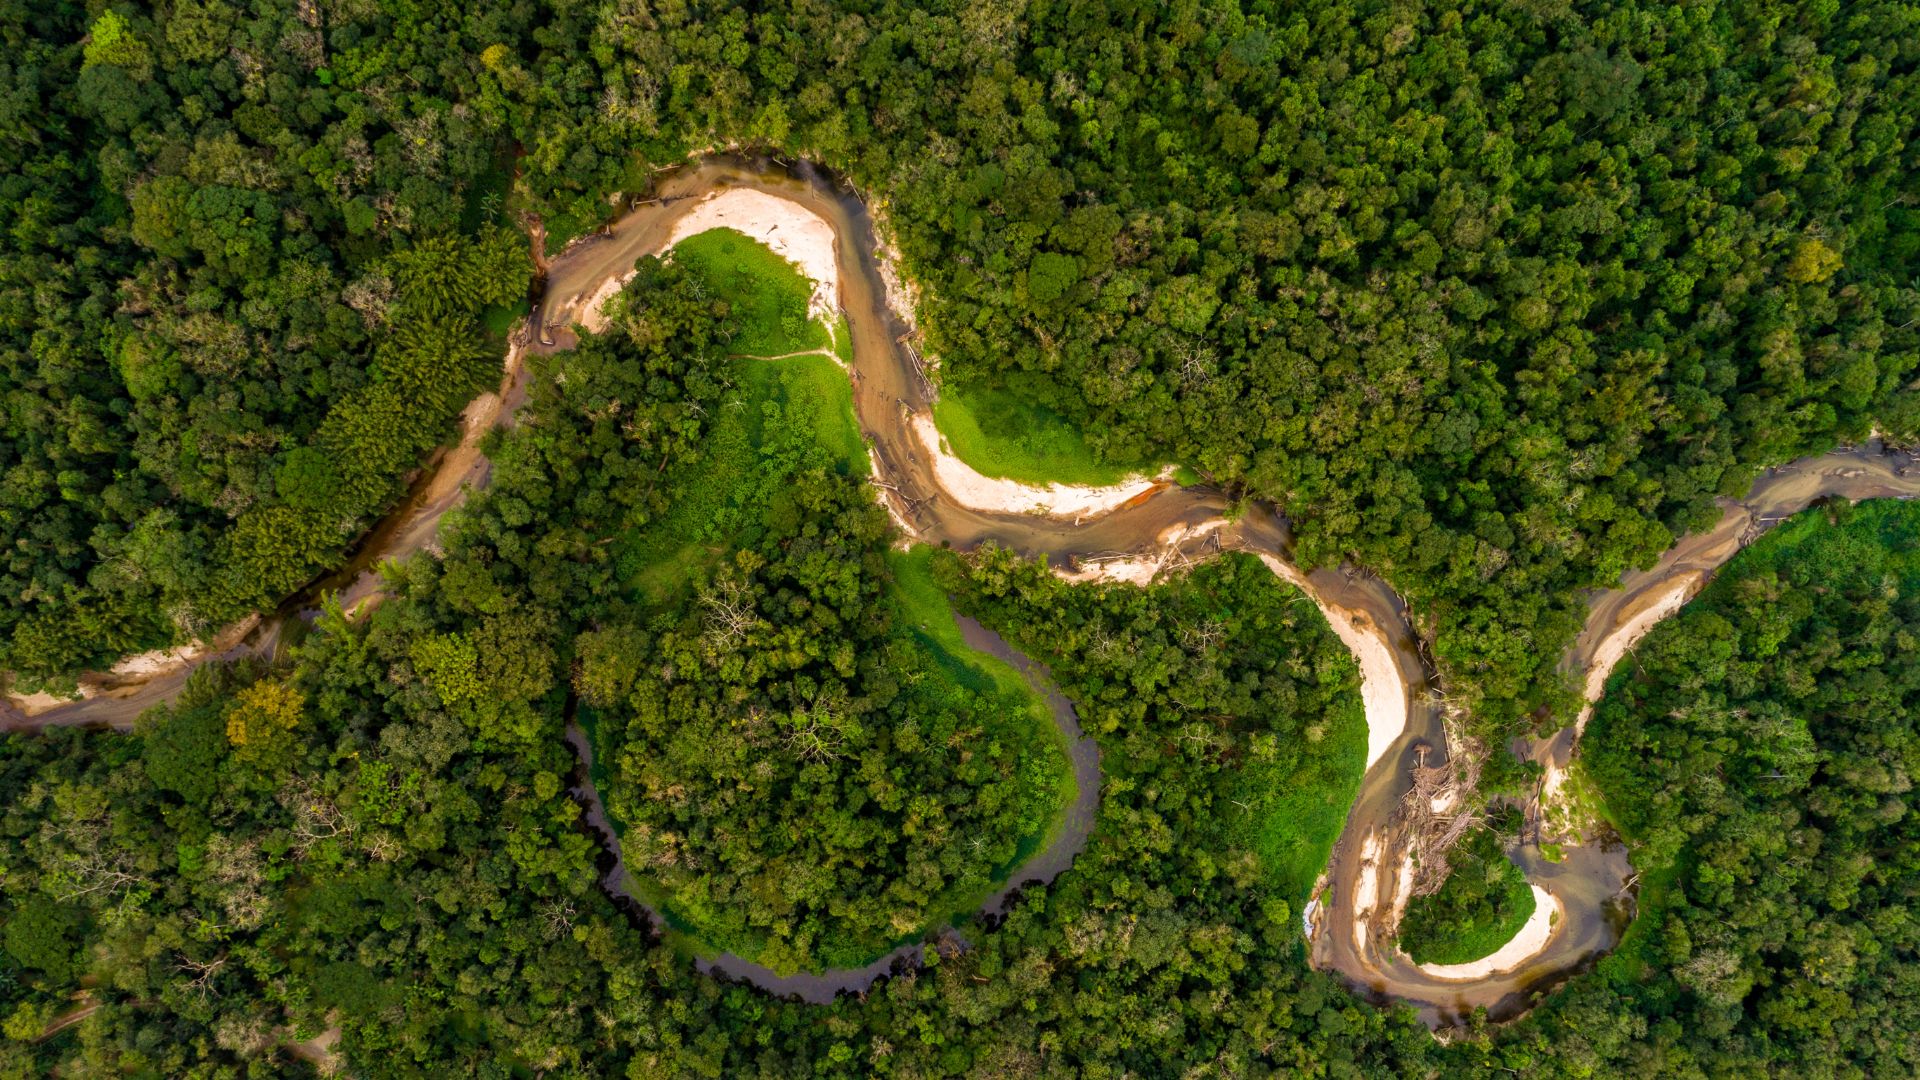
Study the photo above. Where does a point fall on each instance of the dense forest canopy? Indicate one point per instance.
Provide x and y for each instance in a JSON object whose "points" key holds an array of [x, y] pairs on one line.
{"points": [[806, 766], [375, 834], [1492, 298], [238, 307], [1482, 903]]}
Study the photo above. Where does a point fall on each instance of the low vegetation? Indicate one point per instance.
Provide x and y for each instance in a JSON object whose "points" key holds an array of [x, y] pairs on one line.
{"points": [[766, 296]]}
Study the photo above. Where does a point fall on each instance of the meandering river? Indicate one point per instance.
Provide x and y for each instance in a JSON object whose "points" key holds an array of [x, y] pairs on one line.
{"points": [[1367, 876]]}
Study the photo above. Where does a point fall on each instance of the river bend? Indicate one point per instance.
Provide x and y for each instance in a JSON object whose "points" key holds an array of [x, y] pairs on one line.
{"points": [[1367, 878]]}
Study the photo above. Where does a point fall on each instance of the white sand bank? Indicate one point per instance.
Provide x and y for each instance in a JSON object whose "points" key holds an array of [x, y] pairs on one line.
{"points": [[1366, 889], [1628, 633], [976, 492], [1382, 692], [794, 232]]}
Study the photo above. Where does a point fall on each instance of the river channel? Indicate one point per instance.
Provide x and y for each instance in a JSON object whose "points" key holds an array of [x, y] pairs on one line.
{"points": [[1368, 875]]}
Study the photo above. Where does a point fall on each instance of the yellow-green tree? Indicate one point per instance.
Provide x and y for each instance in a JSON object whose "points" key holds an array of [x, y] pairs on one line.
{"points": [[262, 718]]}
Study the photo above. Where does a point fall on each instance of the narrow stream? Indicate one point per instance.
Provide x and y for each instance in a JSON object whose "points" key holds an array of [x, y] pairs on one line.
{"points": [[889, 391]]}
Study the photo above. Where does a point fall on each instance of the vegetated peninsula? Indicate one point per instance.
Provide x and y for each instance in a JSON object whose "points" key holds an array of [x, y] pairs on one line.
{"points": [[926, 540]]}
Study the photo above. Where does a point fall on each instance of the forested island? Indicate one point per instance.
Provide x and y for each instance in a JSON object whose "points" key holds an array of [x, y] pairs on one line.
{"points": [[1115, 509]]}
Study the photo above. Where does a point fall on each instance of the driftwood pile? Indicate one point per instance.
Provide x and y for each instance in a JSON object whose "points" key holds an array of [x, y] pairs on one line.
{"points": [[1434, 832]]}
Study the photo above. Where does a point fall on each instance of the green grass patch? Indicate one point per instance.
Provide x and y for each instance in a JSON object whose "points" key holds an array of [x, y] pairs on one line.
{"points": [[925, 611], [1004, 432], [801, 405], [498, 319], [564, 228], [767, 294], [1484, 902], [842, 340]]}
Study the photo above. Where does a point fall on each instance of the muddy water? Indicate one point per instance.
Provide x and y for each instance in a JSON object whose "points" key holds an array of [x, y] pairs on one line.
{"points": [[1592, 879], [889, 390], [1589, 881], [1083, 754]]}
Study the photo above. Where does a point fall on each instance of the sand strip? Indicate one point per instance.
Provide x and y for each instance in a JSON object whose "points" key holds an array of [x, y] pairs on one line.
{"points": [[976, 492], [1525, 945], [1381, 690], [795, 233]]}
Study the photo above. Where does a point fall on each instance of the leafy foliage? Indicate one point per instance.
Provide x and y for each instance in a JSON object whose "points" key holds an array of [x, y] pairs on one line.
{"points": [[1484, 901], [409, 869], [1494, 298], [1757, 751], [197, 294]]}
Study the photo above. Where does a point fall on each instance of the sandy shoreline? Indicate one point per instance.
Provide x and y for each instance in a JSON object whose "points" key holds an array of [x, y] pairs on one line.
{"points": [[1624, 636], [1366, 890], [1382, 691], [977, 492], [795, 233]]}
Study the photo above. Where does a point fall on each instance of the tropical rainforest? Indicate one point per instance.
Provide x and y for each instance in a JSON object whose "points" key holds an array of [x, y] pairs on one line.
{"points": [[1493, 299], [771, 656]]}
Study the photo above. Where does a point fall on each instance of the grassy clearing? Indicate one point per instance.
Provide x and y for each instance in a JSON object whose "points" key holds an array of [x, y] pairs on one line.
{"points": [[498, 320], [802, 405], [1299, 807], [1484, 902], [767, 294], [923, 609], [1004, 432]]}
